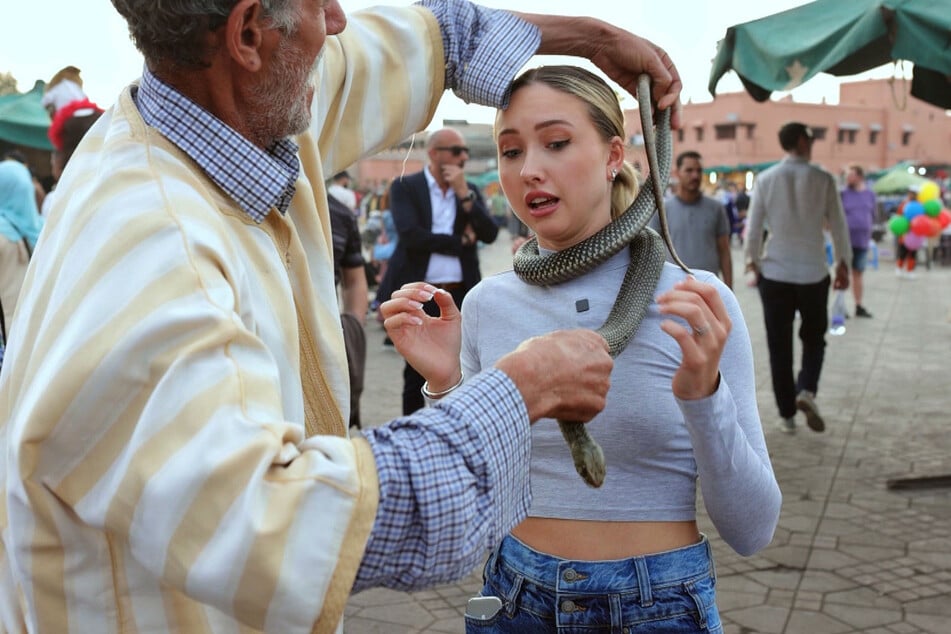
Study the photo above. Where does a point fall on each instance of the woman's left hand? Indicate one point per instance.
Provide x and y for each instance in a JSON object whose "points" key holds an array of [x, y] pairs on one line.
{"points": [[702, 341]]}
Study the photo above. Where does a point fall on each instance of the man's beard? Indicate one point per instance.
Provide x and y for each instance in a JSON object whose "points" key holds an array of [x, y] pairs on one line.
{"points": [[280, 105]]}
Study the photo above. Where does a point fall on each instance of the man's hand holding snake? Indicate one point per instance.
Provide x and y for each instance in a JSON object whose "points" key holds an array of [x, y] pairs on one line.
{"points": [[622, 56]]}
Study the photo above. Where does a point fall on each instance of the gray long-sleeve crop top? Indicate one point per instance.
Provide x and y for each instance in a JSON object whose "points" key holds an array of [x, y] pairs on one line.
{"points": [[655, 445]]}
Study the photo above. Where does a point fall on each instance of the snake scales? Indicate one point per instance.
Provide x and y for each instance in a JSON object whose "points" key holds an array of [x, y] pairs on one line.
{"points": [[637, 289]]}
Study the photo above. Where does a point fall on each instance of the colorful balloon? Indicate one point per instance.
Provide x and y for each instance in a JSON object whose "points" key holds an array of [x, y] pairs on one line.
{"points": [[928, 191], [898, 225], [925, 226], [935, 227], [944, 218], [933, 207], [913, 241], [912, 209], [920, 226]]}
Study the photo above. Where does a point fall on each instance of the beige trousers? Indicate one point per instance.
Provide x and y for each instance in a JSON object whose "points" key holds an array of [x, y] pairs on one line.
{"points": [[14, 259]]}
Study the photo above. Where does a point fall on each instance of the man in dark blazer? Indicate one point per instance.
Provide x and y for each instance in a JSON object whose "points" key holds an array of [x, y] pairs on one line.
{"points": [[440, 218]]}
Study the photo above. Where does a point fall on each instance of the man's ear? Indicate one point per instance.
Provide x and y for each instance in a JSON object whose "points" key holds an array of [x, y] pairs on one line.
{"points": [[244, 34]]}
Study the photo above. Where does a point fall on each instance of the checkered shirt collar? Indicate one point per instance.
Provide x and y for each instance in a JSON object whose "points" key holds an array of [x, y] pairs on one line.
{"points": [[256, 179]]}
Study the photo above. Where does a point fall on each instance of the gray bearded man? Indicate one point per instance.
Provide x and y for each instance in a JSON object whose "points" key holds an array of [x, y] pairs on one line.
{"points": [[175, 452]]}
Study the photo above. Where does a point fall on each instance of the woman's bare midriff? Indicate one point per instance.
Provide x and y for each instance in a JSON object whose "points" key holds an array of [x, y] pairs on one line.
{"points": [[593, 540]]}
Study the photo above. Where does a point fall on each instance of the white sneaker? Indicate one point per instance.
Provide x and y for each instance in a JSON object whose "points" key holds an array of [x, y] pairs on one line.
{"points": [[806, 403], [911, 275], [899, 272], [787, 425]]}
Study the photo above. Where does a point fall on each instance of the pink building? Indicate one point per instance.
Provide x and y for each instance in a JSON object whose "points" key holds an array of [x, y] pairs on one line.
{"points": [[871, 126], [736, 135]]}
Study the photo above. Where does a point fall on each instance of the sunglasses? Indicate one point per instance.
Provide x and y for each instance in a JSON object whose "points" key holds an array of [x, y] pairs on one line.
{"points": [[455, 149]]}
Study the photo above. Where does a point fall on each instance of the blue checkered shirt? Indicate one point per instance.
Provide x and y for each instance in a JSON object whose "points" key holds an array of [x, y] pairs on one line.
{"points": [[454, 477], [257, 180]]}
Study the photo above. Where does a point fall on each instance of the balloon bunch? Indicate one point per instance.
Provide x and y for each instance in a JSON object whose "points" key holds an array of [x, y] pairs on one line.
{"points": [[922, 218]]}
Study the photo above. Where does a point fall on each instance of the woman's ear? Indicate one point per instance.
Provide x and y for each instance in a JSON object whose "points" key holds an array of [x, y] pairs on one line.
{"points": [[616, 154]]}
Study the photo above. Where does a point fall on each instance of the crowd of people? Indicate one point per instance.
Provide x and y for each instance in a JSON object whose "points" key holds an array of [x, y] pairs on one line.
{"points": [[197, 304]]}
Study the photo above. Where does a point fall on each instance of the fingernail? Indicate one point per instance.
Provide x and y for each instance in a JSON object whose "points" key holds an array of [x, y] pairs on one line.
{"points": [[416, 304]]}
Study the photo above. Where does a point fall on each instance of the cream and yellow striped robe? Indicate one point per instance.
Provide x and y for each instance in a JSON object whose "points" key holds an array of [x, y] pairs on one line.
{"points": [[152, 401]]}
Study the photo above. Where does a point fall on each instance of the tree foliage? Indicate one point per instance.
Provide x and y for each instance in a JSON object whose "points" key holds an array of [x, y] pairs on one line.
{"points": [[8, 83]]}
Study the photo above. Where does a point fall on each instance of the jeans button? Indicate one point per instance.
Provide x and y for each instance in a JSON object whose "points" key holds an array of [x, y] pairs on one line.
{"points": [[570, 575], [568, 606]]}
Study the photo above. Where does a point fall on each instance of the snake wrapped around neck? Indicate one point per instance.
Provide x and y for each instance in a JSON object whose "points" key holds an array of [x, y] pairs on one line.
{"points": [[640, 280]]}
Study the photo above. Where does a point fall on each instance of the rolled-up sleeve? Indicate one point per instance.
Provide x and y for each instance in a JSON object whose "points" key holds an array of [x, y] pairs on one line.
{"points": [[454, 479], [484, 49]]}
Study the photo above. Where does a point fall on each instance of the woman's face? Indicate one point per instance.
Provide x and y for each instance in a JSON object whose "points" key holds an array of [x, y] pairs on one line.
{"points": [[554, 167]]}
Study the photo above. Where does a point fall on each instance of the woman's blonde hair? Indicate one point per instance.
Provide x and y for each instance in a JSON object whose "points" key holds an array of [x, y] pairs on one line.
{"points": [[604, 112]]}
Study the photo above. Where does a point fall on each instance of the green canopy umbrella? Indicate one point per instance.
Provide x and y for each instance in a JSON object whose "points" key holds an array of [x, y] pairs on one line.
{"points": [[482, 180], [841, 37], [897, 181], [23, 121]]}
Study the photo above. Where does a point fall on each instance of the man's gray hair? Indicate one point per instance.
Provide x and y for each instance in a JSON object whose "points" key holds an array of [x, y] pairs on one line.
{"points": [[172, 32]]}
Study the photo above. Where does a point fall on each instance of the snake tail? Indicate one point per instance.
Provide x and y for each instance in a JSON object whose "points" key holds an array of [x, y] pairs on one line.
{"points": [[585, 452]]}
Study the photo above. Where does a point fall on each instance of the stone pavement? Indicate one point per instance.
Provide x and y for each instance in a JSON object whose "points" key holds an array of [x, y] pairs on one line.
{"points": [[850, 554]]}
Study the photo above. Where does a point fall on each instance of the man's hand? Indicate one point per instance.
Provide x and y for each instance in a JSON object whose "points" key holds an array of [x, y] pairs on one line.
{"points": [[455, 177], [622, 56], [565, 374], [468, 237], [841, 281]]}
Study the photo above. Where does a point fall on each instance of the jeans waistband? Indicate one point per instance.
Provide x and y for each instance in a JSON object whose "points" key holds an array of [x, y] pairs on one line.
{"points": [[659, 569]]}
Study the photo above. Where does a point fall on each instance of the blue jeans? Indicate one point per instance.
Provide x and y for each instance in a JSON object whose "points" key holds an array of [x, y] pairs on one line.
{"points": [[668, 592]]}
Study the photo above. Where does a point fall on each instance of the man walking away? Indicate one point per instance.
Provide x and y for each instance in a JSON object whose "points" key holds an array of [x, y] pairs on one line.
{"points": [[795, 201]]}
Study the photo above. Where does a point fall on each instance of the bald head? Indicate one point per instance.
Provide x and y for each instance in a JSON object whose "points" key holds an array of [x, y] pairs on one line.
{"points": [[446, 147]]}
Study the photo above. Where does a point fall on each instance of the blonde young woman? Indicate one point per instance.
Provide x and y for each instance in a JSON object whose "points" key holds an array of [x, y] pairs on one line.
{"points": [[681, 409]]}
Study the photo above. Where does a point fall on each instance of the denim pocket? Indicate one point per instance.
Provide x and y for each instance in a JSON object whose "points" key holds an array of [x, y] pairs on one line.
{"points": [[703, 593], [483, 626]]}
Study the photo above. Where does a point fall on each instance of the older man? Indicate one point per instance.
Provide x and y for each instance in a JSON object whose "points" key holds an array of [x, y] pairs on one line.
{"points": [[175, 457]]}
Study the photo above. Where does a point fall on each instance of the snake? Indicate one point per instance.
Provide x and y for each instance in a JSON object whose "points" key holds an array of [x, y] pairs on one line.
{"points": [[640, 279]]}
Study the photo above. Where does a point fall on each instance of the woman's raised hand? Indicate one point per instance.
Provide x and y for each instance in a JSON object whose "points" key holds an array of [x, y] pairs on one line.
{"points": [[430, 344]]}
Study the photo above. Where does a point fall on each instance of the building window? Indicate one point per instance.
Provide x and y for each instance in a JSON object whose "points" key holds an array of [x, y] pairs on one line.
{"points": [[906, 137], [749, 130], [699, 130], [872, 137], [819, 134], [846, 136], [725, 131], [680, 135]]}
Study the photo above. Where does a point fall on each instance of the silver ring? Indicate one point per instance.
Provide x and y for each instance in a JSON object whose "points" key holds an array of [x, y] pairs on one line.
{"points": [[701, 330]]}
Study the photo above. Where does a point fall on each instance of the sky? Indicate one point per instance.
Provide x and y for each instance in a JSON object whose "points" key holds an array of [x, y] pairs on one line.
{"points": [[39, 37]]}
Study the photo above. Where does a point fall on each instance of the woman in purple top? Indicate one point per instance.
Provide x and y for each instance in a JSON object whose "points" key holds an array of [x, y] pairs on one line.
{"points": [[859, 205]]}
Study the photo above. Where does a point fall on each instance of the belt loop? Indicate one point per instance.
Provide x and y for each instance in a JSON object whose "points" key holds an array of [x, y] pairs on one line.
{"points": [[643, 582], [491, 566], [512, 595], [710, 559]]}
